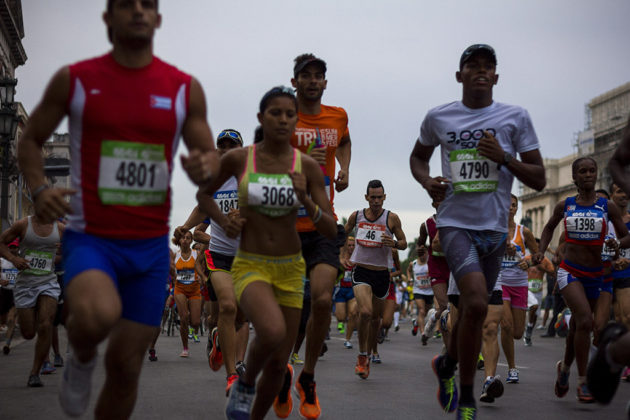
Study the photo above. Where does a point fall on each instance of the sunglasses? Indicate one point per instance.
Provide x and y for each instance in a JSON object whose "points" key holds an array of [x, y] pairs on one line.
{"points": [[230, 135]]}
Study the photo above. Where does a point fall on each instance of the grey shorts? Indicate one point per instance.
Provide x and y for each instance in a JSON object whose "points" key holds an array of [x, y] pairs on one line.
{"points": [[469, 251], [26, 294]]}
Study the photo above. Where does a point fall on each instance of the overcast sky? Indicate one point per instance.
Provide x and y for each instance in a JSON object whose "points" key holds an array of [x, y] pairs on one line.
{"points": [[389, 62]]}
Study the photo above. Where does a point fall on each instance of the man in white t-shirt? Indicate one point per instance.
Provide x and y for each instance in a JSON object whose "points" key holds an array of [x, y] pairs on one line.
{"points": [[479, 140]]}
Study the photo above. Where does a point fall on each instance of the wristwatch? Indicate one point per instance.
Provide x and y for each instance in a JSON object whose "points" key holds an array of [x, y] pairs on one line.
{"points": [[507, 158]]}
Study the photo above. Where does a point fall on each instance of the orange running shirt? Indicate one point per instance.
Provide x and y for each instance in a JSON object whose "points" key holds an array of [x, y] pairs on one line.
{"points": [[326, 129]]}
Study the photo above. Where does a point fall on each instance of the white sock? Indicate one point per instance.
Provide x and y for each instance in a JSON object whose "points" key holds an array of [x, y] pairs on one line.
{"points": [[433, 317], [396, 318]]}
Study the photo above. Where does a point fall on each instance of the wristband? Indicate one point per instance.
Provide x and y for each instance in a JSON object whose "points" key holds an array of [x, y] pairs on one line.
{"points": [[395, 244], [37, 191], [318, 214]]}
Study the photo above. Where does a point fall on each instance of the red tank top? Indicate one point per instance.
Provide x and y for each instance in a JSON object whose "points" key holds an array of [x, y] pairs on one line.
{"points": [[125, 126], [438, 267]]}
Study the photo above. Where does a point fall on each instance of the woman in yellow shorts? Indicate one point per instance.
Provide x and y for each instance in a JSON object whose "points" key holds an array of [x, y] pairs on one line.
{"points": [[187, 290], [275, 181]]}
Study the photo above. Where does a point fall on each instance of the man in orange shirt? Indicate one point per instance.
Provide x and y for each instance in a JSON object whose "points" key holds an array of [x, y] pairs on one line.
{"points": [[322, 132]]}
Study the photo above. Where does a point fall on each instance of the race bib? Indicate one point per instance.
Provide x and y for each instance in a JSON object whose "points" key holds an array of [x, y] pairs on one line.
{"points": [[40, 262], [423, 282], [535, 285], [608, 253], [584, 228], [226, 200], [369, 235], [186, 276], [132, 174], [471, 172], [271, 194], [10, 275], [302, 211], [510, 261]]}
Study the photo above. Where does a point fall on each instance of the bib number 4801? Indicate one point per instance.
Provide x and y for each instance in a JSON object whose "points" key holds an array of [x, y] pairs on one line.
{"points": [[132, 174]]}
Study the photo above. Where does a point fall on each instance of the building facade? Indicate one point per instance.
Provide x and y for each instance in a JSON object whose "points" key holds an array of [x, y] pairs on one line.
{"points": [[12, 55], [606, 118]]}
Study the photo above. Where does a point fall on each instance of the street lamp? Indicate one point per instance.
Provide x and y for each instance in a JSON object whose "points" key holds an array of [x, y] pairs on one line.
{"points": [[8, 127]]}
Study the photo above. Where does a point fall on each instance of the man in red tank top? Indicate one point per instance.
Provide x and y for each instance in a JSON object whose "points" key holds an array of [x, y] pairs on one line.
{"points": [[127, 110]]}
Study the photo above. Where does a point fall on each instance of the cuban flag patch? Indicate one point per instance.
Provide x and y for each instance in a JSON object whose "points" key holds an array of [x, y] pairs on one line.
{"points": [[161, 102]]}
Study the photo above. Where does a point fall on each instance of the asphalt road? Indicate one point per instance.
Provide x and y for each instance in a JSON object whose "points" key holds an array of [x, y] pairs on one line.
{"points": [[402, 387]]}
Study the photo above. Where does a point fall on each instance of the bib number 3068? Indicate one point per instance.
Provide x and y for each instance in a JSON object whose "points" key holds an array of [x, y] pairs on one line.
{"points": [[132, 174]]}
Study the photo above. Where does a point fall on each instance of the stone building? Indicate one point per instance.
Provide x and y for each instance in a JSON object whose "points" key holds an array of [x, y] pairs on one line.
{"points": [[606, 117]]}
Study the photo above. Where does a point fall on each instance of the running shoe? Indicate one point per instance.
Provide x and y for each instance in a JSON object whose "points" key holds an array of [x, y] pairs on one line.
{"points": [[152, 356], [341, 328], [540, 327], [466, 413], [323, 350], [562, 381], [362, 368], [492, 388], [396, 328], [512, 377], [58, 362], [528, 335], [429, 326], [414, 330], [309, 403], [209, 346], [184, 353], [437, 335], [625, 376], [239, 404], [444, 321], [191, 332], [47, 369], [380, 335], [347, 344], [195, 338], [424, 339], [6, 349], [240, 368], [584, 395], [76, 384], [231, 379], [34, 382], [216, 356], [600, 377], [376, 358], [283, 403], [295, 359], [447, 391], [481, 364]]}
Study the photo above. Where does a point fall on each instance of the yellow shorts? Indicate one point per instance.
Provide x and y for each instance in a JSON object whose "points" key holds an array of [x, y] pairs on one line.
{"points": [[284, 274]]}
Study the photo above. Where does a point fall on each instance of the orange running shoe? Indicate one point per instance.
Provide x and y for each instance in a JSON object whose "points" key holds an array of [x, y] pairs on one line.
{"points": [[230, 381], [362, 367], [309, 403], [283, 408], [215, 359]]}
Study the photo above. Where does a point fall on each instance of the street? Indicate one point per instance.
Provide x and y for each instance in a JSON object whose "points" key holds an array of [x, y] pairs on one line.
{"points": [[402, 387]]}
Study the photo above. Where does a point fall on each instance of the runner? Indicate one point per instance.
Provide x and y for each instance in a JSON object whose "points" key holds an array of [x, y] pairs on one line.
{"points": [[345, 302], [580, 277], [268, 269], [372, 256], [439, 274], [513, 281], [36, 290], [120, 172], [322, 132], [479, 139], [535, 275], [418, 270], [187, 290], [218, 259], [169, 280], [8, 312]]}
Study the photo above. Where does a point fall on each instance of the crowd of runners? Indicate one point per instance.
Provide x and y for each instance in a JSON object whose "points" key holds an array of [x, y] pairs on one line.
{"points": [[276, 259]]}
